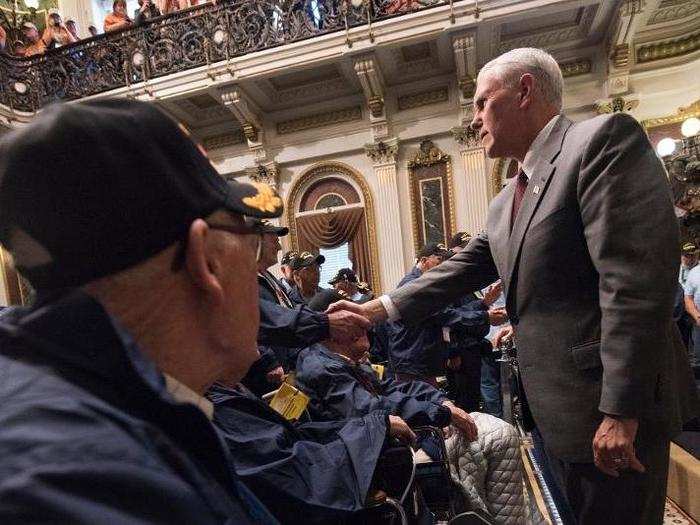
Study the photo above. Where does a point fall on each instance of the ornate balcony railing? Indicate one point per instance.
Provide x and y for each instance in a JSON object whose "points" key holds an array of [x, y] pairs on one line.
{"points": [[191, 38]]}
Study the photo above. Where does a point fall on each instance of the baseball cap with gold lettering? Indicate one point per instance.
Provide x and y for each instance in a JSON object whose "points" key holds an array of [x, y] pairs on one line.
{"points": [[92, 188]]}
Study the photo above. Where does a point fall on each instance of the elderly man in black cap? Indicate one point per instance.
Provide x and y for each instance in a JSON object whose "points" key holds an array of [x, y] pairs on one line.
{"points": [[144, 269], [286, 269], [348, 285], [306, 272], [287, 326]]}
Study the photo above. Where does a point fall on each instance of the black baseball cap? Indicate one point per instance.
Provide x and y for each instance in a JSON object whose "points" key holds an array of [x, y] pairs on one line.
{"points": [[344, 274], [305, 259], [264, 226], [434, 249], [288, 257], [460, 239], [100, 186]]}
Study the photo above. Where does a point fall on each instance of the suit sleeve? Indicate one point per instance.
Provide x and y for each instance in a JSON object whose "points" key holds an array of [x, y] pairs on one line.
{"points": [[470, 270], [632, 236], [290, 327]]}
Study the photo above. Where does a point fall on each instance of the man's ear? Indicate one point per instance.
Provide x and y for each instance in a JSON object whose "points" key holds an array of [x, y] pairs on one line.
{"points": [[527, 85], [201, 265]]}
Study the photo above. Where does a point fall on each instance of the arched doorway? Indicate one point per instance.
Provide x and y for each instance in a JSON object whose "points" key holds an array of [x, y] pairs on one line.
{"points": [[330, 210]]}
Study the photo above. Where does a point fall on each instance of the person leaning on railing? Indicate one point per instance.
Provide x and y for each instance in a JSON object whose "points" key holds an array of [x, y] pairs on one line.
{"points": [[117, 19], [56, 33], [146, 11]]}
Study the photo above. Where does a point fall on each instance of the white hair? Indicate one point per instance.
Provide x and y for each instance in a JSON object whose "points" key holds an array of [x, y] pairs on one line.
{"points": [[510, 66]]}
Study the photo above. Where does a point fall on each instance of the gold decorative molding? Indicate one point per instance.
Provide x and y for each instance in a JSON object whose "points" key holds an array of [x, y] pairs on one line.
{"points": [[674, 12], [223, 140], [428, 155], [320, 120], [383, 152], [327, 169], [668, 48], [693, 110], [17, 289], [424, 98], [575, 68], [265, 173], [615, 105], [620, 56]]}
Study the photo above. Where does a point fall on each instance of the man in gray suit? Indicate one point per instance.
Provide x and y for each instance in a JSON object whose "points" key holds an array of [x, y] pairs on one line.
{"points": [[586, 243]]}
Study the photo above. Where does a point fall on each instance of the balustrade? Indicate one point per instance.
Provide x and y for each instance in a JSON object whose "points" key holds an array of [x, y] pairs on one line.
{"points": [[194, 37]]}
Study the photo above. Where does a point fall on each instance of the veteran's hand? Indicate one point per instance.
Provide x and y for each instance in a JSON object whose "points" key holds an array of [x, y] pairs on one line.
{"points": [[462, 421], [613, 446], [493, 293], [497, 316], [346, 326], [275, 376], [400, 430], [503, 335]]}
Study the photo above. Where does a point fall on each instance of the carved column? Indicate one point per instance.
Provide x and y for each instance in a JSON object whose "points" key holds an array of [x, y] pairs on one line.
{"points": [[477, 178], [464, 47], [384, 155], [621, 52]]}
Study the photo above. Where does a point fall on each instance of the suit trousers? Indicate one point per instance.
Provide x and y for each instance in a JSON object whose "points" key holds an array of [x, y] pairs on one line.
{"points": [[636, 498]]}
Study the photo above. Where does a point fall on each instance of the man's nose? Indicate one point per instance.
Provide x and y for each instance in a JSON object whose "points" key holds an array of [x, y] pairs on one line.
{"points": [[475, 124]]}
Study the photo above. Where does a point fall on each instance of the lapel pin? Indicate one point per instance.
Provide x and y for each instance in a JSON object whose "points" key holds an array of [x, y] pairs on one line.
{"points": [[536, 190]]}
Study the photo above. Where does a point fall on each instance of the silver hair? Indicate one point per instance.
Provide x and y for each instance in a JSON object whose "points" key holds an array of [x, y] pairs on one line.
{"points": [[510, 66]]}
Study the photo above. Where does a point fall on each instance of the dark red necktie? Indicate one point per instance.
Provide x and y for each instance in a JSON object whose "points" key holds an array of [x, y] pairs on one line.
{"points": [[520, 187]]}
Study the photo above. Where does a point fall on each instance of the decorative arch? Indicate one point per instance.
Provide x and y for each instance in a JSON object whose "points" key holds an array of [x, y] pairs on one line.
{"points": [[325, 170]]}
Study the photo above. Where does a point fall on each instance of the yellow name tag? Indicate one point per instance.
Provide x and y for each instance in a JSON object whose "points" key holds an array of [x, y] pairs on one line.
{"points": [[289, 402], [379, 370]]}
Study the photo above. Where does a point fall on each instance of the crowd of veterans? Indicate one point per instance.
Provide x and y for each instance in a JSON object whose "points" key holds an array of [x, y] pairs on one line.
{"points": [[134, 389]]}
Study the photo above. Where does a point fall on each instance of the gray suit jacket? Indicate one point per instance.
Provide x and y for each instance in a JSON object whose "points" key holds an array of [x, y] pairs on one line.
{"points": [[590, 275]]}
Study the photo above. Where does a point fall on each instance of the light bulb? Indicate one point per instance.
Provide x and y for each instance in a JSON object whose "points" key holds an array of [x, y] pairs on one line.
{"points": [[666, 147], [690, 127], [32, 3]]}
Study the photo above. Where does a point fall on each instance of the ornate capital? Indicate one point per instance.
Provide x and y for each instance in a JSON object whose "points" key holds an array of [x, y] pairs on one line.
{"points": [[266, 173], [615, 105], [383, 152], [466, 136], [372, 81], [427, 155]]}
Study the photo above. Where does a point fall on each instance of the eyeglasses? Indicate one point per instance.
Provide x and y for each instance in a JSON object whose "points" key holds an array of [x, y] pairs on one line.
{"points": [[238, 229]]}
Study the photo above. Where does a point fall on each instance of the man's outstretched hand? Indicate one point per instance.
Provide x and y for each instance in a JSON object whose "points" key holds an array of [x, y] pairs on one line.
{"points": [[346, 326], [372, 310]]}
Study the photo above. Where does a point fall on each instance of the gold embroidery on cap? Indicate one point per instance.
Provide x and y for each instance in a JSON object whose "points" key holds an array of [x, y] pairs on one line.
{"points": [[265, 200]]}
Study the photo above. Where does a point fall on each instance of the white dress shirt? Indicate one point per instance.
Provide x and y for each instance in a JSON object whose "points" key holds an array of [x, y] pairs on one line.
{"points": [[528, 166]]}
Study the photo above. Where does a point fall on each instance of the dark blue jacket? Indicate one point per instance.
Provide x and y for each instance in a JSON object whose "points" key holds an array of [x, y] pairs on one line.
{"points": [[340, 390], [304, 472], [469, 336], [420, 348], [89, 433]]}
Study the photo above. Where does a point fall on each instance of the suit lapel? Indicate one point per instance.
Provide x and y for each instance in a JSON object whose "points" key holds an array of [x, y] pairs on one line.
{"points": [[537, 187], [500, 229]]}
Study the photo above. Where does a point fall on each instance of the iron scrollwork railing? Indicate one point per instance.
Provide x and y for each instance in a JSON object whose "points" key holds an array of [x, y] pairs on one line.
{"points": [[191, 38]]}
